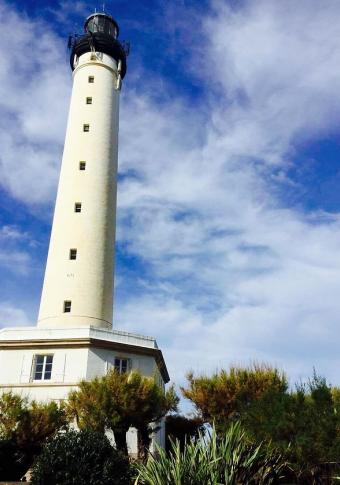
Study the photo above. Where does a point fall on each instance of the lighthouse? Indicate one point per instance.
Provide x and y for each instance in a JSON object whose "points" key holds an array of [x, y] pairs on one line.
{"points": [[74, 338], [78, 285]]}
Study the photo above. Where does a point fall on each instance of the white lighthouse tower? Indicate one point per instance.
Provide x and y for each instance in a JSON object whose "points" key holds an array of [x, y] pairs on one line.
{"points": [[78, 286], [74, 339]]}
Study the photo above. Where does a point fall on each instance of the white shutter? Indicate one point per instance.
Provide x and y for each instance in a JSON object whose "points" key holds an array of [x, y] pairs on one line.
{"points": [[58, 367], [135, 364], [26, 368]]}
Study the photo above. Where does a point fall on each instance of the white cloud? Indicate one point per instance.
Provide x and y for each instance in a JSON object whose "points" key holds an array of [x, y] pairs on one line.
{"points": [[15, 261], [34, 88], [276, 63], [11, 232], [242, 277], [12, 317], [14, 249]]}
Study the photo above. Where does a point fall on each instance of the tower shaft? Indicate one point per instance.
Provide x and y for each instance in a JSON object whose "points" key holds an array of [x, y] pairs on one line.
{"points": [[78, 283]]}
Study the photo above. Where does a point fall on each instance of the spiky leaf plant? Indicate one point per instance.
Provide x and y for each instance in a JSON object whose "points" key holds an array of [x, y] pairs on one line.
{"points": [[231, 460]]}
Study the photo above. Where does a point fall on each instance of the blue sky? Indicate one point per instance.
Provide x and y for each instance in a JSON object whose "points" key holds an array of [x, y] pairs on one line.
{"points": [[228, 231]]}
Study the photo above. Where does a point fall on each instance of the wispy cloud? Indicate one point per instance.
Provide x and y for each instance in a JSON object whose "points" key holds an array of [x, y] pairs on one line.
{"points": [[234, 273], [15, 246], [11, 316], [34, 85]]}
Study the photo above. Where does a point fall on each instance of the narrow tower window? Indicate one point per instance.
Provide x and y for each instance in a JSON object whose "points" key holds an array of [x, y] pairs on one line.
{"points": [[82, 165], [77, 207], [91, 79], [86, 127], [73, 253], [67, 306], [89, 100]]}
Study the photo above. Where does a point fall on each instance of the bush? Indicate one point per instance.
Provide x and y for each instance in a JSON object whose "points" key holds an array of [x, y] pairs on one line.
{"points": [[118, 401], [303, 422], [24, 428], [13, 463], [80, 458], [211, 461]]}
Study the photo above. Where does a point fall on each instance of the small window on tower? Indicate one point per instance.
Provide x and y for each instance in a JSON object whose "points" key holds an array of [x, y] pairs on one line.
{"points": [[77, 207], [88, 100], [82, 165], [91, 79], [67, 306], [86, 127], [73, 253]]}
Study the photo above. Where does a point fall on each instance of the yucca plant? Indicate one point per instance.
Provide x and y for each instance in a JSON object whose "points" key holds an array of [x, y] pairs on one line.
{"points": [[230, 460]]}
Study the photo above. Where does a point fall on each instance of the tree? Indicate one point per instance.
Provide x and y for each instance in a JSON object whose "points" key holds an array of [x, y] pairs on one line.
{"points": [[305, 421], [227, 396], [117, 401], [12, 407], [183, 429], [24, 428], [101, 405], [314, 436], [81, 458], [149, 404]]}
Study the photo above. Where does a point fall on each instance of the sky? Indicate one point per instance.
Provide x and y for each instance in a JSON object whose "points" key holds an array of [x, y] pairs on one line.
{"points": [[228, 222]]}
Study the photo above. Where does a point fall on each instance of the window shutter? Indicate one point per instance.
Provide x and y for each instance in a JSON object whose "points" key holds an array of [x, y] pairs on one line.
{"points": [[58, 367], [26, 368]]}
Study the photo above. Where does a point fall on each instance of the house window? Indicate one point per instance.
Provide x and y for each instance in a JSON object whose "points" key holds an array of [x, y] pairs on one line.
{"points": [[77, 207], [91, 79], [88, 100], [73, 253], [42, 369], [82, 165], [67, 306], [86, 127], [122, 365]]}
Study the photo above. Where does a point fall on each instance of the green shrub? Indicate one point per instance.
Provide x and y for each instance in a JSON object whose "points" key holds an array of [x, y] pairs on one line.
{"points": [[81, 458], [118, 401], [303, 421], [211, 461], [13, 462], [24, 428]]}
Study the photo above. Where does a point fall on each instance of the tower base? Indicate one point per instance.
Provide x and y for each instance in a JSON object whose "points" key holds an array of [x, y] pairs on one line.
{"points": [[47, 363]]}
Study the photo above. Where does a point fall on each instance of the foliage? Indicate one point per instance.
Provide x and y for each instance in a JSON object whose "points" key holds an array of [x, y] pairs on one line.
{"points": [[118, 401], [79, 458], [13, 463], [227, 395], [182, 428], [230, 460], [12, 407], [24, 427], [149, 404], [305, 421]]}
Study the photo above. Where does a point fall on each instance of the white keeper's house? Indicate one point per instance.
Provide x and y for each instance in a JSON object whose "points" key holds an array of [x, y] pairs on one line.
{"points": [[74, 339]]}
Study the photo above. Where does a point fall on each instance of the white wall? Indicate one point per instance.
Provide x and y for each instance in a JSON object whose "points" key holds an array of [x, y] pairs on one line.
{"points": [[69, 367], [16, 372], [99, 358]]}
